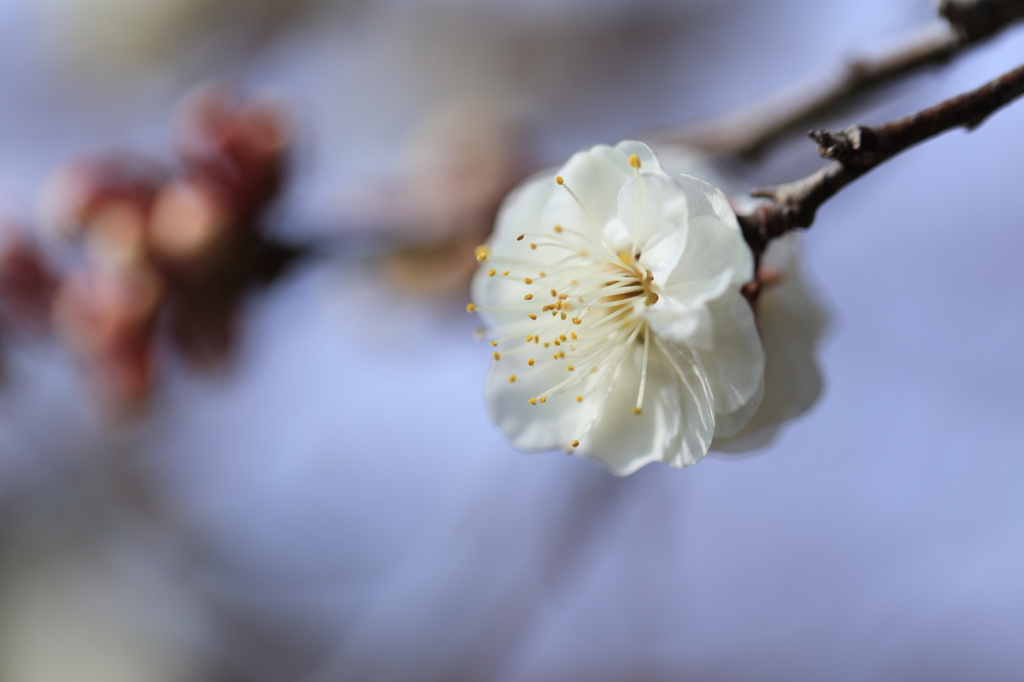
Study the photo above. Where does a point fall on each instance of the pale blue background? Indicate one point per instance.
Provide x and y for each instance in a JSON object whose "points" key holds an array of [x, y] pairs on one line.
{"points": [[338, 501]]}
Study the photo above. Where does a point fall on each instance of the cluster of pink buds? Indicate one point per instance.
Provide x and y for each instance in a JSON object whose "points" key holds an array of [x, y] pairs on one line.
{"points": [[168, 248]]}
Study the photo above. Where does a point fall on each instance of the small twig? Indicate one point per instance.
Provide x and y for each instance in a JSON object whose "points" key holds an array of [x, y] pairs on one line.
{"points": [[749, 131], [857, 150]]}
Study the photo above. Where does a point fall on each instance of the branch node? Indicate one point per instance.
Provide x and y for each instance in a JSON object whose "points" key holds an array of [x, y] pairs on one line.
{"points": [[855, 146]]}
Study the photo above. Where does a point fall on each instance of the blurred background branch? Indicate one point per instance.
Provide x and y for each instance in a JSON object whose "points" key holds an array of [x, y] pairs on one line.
{"points": [[749, 130]]}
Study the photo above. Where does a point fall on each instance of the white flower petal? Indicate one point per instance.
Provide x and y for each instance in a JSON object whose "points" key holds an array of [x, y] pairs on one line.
{"points": [[676, 424], [595, 177], [729, 424], [735, 361], [711, 249], [704, 200], [660, 256], [659, 235], [554, 423], [792, 322], [649, 161], [522, 207], [687, 319]]}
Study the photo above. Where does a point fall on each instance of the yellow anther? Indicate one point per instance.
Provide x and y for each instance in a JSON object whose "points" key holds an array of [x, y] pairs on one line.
{"points": [[571, 368], [542, 274], [558, 229], [528, 297], [562, 337], [593, 370], [532, 316], [573, 336], [559, 180], [530, 362], [577, 320], [533, 246], [543, 399], [520, 237], [497, 355], [555, 356], [512, 379], [634, 161], [505, 273], [558, 306], [579, 399], [564, 316], [528, 280], [554, 293], [575, 443], [557, 342], [536, 339], [494, 343], [529, 338], [470, 307], [532, 401], [561, 353], [637, 410], [562, 297], [491, 272], [574, 282], [481, 252], [546, 344]]}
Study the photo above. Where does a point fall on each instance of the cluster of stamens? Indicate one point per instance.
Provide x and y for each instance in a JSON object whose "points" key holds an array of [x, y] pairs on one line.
{"points": [[584, 311]]}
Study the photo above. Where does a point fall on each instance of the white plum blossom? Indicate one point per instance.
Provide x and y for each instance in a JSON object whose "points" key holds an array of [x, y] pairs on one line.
{"points": [[611, 291]]}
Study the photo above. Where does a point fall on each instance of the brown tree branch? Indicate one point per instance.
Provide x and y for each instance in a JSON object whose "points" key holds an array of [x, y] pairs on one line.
{"points": [[857, 150], [749, 131]]}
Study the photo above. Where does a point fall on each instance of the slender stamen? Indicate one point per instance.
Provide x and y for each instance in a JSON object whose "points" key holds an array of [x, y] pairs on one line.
{"points": [[579, 202], [634, 161], [601, 245], [643, 370], [615, 356], [567, 247]]}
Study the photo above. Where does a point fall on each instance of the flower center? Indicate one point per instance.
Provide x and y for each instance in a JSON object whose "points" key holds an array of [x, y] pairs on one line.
{"points": [[642, 277]]}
